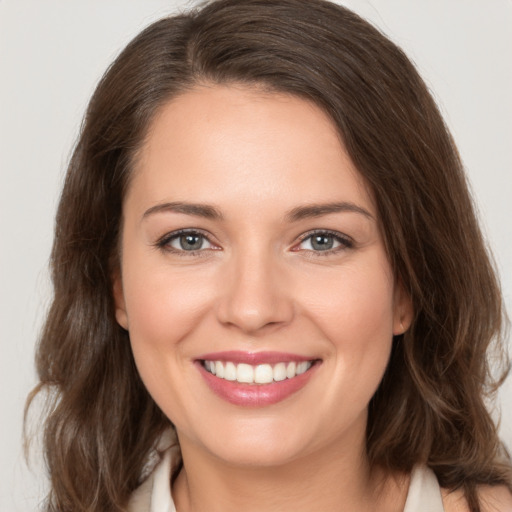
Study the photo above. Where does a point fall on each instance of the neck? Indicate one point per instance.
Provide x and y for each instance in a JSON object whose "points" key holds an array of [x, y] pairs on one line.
{"points": [[335, 478]]}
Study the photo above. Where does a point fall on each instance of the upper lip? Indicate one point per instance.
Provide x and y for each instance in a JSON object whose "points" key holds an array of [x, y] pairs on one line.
{"points": [[254, 358]]}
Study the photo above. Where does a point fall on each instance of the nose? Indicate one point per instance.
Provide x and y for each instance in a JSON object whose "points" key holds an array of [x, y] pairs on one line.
{"points": [[255, 297]]}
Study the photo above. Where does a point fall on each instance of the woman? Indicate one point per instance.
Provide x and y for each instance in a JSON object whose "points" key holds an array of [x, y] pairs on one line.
{"points": [[270, 287]]}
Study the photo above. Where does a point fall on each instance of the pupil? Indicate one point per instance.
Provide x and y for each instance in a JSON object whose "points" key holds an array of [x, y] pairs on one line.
{"points": [[322, 242], [191, 242]]}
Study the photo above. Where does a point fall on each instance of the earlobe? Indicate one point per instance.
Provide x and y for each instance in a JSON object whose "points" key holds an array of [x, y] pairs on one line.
{"points": [[121, 315], [403, 311]]}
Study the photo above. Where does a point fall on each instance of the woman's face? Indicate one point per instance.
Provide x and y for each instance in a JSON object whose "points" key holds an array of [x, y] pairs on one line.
{"points": [[254, 282]]}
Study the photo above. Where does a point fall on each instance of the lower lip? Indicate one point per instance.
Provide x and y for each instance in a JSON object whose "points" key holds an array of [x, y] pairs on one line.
{"points": [[255, 395]]}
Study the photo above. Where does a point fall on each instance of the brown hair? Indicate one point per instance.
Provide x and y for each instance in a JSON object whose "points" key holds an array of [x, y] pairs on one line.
{"points": [[429, 409]]}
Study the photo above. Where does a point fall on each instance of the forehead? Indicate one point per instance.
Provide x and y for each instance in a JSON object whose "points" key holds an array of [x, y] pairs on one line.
{"points": [[218, 143]]}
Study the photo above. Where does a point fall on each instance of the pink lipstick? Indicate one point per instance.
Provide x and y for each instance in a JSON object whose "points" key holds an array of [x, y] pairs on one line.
{"points": [[255, 379]]}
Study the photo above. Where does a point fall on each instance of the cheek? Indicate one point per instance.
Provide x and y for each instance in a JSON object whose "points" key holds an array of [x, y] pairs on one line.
{"points": [[163, 304], [356, 302], [163, 309], [354, 311]]}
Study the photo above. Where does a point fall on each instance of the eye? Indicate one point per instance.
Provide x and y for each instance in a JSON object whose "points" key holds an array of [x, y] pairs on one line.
{"points": [[324, 241], [185, 241], [189, 242]]}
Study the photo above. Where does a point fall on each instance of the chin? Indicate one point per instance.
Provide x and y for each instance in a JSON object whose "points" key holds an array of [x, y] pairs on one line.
{"points": [[250, 452], [262, 441]]}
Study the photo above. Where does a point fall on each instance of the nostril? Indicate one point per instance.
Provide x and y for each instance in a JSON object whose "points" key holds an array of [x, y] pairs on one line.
{"points": [[252, 318], [253, 297]]}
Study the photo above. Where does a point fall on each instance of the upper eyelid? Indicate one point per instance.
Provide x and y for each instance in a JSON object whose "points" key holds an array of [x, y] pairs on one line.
{"points": [[173, 234], [335, 234], [165, 239]]}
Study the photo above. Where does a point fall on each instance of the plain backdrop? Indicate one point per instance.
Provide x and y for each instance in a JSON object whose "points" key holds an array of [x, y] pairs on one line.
{"points": [[52, 54]]}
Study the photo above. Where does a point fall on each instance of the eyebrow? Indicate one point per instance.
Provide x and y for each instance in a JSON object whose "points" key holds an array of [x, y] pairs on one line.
{"points": [[198, 210], [299, 213], [318, 210]]}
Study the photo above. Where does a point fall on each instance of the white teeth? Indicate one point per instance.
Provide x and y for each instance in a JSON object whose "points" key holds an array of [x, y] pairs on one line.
{"points": [[259, 374], [302, 367], [229, 371], [244, 373], [279, 372], [263, 374], [219, 369], [290, 370]]}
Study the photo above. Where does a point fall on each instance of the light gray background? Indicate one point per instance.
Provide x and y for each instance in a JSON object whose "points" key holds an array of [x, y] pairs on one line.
{"points": [[52, 54]]}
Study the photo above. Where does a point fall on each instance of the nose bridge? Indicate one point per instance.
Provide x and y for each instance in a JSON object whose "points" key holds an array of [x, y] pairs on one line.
{"points": [[254, 295]]}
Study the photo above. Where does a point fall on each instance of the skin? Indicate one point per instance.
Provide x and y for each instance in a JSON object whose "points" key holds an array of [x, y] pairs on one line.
{"points": [[257, 284], [492, 499]]}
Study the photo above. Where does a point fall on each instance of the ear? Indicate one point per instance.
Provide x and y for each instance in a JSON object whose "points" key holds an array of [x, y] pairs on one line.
{"points": [[117, 289], [403, 311]]}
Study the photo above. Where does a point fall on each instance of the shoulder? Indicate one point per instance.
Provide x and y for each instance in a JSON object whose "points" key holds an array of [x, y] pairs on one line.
{"points": [[495, 499], [492, 498]]}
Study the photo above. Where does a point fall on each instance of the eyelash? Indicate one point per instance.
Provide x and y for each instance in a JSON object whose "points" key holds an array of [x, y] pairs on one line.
{"points": [[344, 241], [163, 243]]}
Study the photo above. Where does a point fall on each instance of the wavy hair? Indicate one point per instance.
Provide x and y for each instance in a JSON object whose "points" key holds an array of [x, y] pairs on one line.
{"points": [[430, 407]]}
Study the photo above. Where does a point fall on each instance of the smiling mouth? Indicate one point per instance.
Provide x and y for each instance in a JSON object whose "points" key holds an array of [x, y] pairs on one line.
{"points": [[256, 374], [256, 379]]}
